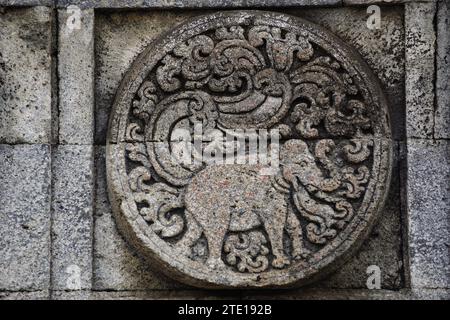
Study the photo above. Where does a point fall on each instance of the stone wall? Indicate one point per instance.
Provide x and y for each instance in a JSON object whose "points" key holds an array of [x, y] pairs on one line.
{"points": [[58, 238]]}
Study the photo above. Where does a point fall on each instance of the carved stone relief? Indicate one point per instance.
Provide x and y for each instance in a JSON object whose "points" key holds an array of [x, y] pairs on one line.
{"points": [[232, 223]]}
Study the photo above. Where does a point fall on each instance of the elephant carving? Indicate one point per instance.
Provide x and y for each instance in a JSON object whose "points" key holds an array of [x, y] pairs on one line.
{"points": [[238, 198]]}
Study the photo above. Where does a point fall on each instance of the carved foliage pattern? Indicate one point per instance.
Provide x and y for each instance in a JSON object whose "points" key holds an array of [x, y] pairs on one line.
{"points": [[259, 77]]}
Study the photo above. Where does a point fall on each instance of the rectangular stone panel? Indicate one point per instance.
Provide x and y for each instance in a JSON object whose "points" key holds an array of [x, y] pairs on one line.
{"points": [[442, 115], [76, 76], [420, 42], [116, 265], [120, 37], [428, 213], [26, 75], [24, 217], [72, 204]]}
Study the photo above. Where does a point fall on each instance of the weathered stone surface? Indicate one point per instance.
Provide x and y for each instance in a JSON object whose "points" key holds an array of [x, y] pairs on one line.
{"points": [[24, 217], [192, 4], [428, 213], [120, 37], [383, 49], [72, 295], [119, 40], [25, 75], [349, 294], [384, 246], [381, 2], [116, 265], [23, 295], [28, 3], [420, 39], [442, 115], [76, 76], [72, 204], [209, 224]]}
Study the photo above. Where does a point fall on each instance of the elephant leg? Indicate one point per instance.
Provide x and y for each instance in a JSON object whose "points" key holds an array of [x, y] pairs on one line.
{"points": [[274, 223], [294, 230], [215, 233]]}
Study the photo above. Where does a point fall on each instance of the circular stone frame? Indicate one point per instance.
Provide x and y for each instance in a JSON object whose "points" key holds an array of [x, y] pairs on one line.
{"points": [[159, 253]]}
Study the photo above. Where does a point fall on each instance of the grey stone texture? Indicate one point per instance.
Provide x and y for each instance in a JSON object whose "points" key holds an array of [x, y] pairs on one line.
{"points": [[428, 190], [24, 295], [414, 225], [72, 205], [193, 4], [381, 2], [442, 115], [203, 192], [120, 37], [116, 265], [420, 42], [384, 246], [27, 3], [76, 76], [382, 49], [25, 217], [303, 294], [26, 75]]}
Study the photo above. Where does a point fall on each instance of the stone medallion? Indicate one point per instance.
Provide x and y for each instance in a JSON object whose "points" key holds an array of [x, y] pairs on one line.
{"points": [[212, 213]]}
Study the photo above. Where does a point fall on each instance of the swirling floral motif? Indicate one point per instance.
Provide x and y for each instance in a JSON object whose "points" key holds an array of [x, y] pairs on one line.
{"points": [[148, 98], [250, 77], [358, 150], [321, 93], [247, 251], [280, 50], [160, 201]]}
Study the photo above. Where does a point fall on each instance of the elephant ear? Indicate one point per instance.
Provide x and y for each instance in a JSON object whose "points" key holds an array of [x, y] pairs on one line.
{"points": [[322, 223], [172, 124], [317, 198]]}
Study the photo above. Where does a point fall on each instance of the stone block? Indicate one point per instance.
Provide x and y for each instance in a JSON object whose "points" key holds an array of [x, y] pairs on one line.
{"points": [[442, 115], [76, 76], [24, 217], [420, 43], [26, 75], [428, 213], [72, 205]]}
